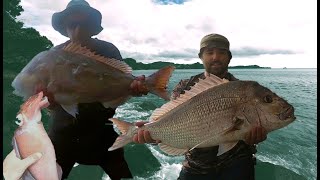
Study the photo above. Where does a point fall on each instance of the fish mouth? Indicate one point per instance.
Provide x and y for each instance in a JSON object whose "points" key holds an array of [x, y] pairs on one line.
{"points": [[287, 114]]}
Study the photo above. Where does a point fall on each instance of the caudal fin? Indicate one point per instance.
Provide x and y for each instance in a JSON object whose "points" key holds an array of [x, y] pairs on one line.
{"points": [[158, 81], [126, 130]]}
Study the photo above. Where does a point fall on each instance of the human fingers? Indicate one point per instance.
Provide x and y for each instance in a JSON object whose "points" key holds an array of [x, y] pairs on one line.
{"points": [[134, 85], [140, 123], [141, 139], [44, 103], [26, 162], [248, 138], [147, 137], [141, 78], [258, 135], [263, 134], [135, 138]]}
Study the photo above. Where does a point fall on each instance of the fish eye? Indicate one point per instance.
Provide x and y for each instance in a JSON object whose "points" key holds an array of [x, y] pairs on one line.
{"points": [[268, 99]]}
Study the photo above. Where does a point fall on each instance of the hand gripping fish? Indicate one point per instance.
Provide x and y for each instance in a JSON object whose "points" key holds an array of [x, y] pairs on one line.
{"points": [[31, 137], [75, 74], [213, 112]]}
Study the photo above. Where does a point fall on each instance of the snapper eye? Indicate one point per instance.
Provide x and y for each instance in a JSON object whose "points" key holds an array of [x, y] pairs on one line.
{"points": [[268, 99]]}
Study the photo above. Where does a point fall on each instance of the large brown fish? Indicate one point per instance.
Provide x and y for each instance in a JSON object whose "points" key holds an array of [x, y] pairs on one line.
{"points": [[31, 137], [75, 75], [213, 112]]}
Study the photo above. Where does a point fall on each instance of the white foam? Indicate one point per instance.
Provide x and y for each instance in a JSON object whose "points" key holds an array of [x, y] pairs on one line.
{"points": [[167, 172], [278, 160], [163, 158], [128, 112], [170, 166]]}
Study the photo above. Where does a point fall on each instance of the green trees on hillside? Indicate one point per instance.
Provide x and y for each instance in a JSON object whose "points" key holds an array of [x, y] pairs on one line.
{"points": [[20, 44]]}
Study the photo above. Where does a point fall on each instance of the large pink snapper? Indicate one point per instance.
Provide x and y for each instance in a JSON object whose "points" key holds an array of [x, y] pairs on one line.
{"points": [[31, 137], [213, 112], [75, 74]]}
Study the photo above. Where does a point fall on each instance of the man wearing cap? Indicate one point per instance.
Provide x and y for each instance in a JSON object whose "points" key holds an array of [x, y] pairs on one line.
{"points": [[203, 163], [86, 138]]}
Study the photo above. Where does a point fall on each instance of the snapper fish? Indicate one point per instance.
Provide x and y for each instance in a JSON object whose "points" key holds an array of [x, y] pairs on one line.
{"points": [[31, 137], [213, 112], [75, 74]]}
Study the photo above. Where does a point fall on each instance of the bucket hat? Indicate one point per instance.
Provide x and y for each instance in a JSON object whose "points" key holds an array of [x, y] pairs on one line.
{"points": [[92, 22]]}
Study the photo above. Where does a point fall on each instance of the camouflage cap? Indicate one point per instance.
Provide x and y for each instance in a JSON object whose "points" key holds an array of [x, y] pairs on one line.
{"points": [[215, 40]]}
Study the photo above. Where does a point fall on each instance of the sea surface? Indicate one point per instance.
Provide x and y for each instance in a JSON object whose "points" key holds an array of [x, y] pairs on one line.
{"points": [[287, 154]]}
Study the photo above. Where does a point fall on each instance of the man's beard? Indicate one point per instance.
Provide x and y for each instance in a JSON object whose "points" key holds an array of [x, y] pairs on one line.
{"points": [[218, 71]]}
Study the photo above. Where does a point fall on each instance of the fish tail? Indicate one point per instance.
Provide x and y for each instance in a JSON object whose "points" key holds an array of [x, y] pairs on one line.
{"points": [[126, 130], [158, 81]]}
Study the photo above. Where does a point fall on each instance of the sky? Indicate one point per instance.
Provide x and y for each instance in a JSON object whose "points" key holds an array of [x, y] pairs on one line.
{"points": [[268, 33]]}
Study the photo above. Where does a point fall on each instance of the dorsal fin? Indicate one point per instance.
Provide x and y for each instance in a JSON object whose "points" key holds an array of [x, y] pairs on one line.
{"points": [[82, 50], [199, 87]]}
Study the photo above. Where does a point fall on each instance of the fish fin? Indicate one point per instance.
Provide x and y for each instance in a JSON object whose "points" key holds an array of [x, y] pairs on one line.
{"points": [[158, 81], [225, 147], [71, 109], [199, 144], [172, 150], [74, 35], [123, 126], [126, 129], [201, 86], [76, 48], [236, 124], [121, 141], [116, 102]]}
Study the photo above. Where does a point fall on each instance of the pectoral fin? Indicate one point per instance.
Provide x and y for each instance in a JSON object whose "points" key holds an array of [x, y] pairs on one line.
{"points": [[116, 102], [229, 133], [237, 123], [225, 147]]}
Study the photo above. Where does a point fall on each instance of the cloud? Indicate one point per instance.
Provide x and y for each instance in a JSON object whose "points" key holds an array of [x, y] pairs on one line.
{"points": [[168, 2], [185, 54], [249, 51], [171, 30]]}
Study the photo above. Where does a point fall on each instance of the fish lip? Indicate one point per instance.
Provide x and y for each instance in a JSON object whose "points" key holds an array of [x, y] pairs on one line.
{"points": [[287, 114]]}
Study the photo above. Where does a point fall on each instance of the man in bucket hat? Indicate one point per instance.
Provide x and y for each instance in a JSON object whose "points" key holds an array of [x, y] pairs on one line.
{"points": [[203, 163], [86, 138]]}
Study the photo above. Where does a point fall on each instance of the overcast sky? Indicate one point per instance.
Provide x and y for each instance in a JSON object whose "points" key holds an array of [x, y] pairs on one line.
{"points": [[272, 33]]}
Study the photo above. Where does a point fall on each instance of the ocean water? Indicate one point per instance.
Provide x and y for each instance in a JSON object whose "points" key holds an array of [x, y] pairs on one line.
{"points": [[288, 153]]}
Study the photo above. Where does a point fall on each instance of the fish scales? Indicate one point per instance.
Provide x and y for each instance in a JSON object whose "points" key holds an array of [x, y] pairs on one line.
{"points": [[213, 112], [75, 74], [189, 118]]}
